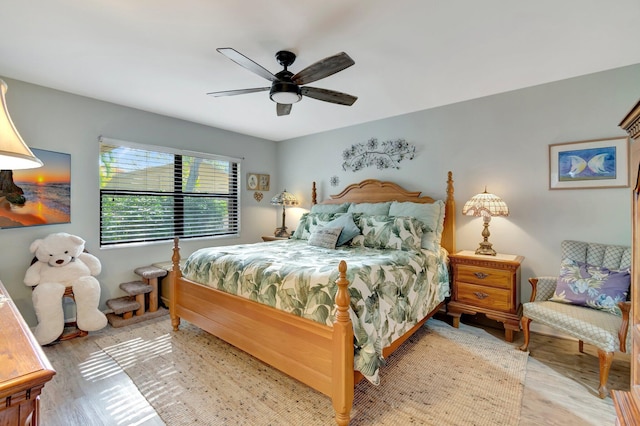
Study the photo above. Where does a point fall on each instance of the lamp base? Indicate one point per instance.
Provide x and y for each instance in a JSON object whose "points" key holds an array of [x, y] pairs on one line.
{"points": [[486, 249], [281, 232]]}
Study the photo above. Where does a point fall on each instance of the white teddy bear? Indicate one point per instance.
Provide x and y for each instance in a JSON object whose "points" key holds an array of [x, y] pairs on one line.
{"points": [[62, 263]]}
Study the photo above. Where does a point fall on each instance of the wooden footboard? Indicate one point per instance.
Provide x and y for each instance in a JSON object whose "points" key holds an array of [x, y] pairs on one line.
{"points": [[315, 354]]}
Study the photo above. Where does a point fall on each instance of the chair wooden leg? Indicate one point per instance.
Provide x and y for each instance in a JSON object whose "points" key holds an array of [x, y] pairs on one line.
{"points": [[605, 364], [581, 346], [524, 323]]}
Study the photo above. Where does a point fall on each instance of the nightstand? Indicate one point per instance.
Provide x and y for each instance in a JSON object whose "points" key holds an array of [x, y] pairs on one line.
{"points": [[489, 285], [273, 238]]}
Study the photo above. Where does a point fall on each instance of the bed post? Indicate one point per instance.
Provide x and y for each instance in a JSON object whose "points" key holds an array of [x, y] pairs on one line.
{"points": [[449, 235], [342, 363], [314, 194], [176, 273]]}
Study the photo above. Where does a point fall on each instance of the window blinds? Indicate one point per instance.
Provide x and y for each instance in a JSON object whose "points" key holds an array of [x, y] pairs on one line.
{"points": [[150, 193]]}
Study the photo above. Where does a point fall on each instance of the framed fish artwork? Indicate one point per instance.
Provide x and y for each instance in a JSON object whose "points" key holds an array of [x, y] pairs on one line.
{"points": [[599, 163]]}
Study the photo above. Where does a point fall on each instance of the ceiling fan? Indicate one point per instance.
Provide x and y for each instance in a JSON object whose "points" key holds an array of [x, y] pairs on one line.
{"points": [[285, 88]]}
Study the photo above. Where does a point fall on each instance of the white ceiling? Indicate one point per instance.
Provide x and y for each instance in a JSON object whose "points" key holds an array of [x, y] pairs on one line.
{"points": [[160, 55]]}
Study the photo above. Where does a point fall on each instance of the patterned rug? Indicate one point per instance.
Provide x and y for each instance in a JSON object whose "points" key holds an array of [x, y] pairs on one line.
{"points": [[441, 376]]}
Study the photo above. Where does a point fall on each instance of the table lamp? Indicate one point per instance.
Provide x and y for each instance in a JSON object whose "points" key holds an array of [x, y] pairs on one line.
{"points": [[485, 205], [283, 199]]}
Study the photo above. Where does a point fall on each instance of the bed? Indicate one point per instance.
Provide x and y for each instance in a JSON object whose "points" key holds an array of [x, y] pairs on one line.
{"points": [[321, 355]]}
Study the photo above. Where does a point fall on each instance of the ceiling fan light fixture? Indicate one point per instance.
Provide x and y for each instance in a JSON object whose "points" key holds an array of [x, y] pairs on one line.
{"points": [[283, 92], [288, 88]]}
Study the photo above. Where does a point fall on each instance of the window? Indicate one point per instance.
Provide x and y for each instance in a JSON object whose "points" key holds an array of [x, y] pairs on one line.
{"points": [[150, 193]]}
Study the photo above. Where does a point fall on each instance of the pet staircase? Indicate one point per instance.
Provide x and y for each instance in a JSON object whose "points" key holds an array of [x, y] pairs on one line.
{"points": [[141, 301]]}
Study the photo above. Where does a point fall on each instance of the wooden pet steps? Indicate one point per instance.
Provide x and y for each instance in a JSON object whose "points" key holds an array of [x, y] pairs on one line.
{"points": [[123, 306], [141, 301]]}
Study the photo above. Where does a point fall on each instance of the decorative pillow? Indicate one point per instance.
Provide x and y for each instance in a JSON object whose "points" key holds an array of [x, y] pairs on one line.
{"points": [[309, 222], [592, 286], [370, 208], [387, 232], [330, 208], [325, 237], [432, 215], [349, 227]]}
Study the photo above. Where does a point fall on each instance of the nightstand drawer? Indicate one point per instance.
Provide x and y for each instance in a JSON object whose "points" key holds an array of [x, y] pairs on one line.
{"points": [[484, 276], [482, 296]]}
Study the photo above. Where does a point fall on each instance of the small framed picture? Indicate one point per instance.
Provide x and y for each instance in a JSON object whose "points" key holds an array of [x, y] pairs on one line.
{"points": [[263, 183], [600, 163], [252, 181]]}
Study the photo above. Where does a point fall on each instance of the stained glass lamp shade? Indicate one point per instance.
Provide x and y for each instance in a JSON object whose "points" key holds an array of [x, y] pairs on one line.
{"points": [[485, 205], [283, 199]]}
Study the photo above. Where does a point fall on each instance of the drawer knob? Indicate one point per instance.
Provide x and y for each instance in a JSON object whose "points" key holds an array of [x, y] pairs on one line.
{"points": [[480, 275], [481, 295]]}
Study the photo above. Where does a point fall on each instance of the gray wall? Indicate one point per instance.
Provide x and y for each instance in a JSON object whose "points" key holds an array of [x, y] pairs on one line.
{"points": [[500, 141], [61, 122]]}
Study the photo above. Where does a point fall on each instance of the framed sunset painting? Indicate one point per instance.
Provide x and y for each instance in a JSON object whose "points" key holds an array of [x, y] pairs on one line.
{"points": [[39, 196]]}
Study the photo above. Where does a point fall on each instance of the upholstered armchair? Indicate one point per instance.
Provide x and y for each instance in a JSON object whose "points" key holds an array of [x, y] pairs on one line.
{"points": [[587, 269]]}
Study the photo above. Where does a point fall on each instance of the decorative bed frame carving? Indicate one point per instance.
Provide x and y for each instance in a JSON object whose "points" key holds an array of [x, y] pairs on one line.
{"points": [[313, 353]]}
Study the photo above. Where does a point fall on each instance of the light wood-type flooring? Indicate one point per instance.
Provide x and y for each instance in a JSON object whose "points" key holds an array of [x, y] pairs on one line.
{"points": [[560, 389]]}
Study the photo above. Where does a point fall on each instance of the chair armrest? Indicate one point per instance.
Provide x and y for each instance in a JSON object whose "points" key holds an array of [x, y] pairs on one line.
{"points": [[625, 307], [542, 288]]}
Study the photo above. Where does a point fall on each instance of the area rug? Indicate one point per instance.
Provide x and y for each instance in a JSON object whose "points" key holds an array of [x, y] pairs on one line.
{"points": [[441, 376]]}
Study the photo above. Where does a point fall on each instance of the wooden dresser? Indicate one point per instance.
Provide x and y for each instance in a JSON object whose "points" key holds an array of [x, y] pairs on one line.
{"points": [[628, 403], [24, 368]]}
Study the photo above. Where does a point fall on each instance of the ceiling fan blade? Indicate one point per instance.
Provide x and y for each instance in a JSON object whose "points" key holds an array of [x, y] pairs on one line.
{"points": [[247, 63], [283, 109], [328, 95], [323, 68], [238, 92]]}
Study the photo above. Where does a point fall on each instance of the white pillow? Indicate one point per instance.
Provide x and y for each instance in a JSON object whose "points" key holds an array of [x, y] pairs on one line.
{"points": [[325, 237]]}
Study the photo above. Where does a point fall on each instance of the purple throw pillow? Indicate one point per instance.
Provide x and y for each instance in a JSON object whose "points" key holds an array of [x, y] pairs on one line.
{"points": [[592, 286]]}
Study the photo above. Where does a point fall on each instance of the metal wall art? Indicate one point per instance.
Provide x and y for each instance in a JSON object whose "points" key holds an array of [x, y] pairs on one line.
{"points": [[385, 155]]}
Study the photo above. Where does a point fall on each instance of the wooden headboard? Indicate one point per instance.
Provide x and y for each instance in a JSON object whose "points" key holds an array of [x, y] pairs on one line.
{"points": [[376, 191]]}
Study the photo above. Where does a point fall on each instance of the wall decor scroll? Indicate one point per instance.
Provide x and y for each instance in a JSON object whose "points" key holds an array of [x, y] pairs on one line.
{"points": [[384, 155]]}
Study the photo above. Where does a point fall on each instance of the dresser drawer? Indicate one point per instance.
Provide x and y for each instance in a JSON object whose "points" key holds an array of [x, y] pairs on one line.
{"points": [[484, 276], [482, 296]]}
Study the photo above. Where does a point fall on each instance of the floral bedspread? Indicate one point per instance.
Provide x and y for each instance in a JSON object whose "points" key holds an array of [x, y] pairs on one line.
{"points": [[391, 290]]}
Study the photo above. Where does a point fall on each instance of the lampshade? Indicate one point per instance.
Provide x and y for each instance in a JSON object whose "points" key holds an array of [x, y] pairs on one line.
{"points": [[14, 153], [485, 205], [283, 199]]}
